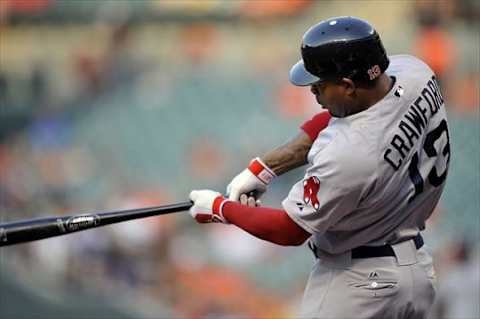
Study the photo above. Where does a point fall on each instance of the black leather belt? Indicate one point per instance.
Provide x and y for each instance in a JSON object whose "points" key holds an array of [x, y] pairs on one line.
{"points": [[381, 251], [374, 251]]}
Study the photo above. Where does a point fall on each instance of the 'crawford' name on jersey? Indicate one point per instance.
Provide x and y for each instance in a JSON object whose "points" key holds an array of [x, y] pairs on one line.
{"points": [[411, 127]]}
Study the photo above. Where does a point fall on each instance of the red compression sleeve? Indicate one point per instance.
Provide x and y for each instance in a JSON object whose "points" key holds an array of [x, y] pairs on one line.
{"points": [[266, 223], [316, 124]]}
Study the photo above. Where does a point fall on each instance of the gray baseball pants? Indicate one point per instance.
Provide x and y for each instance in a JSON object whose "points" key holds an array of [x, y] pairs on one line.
{"points": [[400, 287]]}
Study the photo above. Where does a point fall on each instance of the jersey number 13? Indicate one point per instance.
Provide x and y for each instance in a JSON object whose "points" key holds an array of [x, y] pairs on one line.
{"points": [[429, 147]]}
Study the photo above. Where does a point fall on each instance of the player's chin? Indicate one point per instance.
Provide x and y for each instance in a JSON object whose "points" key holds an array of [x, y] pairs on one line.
{"points": [[332, 110], [323, 105], [338, 113]]}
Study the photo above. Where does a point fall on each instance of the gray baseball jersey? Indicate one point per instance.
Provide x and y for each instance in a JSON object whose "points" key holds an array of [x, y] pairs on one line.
{"points": [[376, 176]]}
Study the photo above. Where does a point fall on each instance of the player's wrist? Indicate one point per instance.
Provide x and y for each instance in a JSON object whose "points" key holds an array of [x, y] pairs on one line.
{"points": [[217, 208], [261, 171]]}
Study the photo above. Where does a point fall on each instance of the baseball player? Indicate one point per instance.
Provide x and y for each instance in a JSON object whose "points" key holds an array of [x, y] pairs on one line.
{"points": [[377, 164]]}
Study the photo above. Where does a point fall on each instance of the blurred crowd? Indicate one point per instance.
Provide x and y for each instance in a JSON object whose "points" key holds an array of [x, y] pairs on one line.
{"points": [[121, 113]]}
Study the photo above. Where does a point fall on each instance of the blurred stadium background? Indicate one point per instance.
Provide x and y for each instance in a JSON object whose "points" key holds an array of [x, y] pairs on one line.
{"points": [[118, 104]]}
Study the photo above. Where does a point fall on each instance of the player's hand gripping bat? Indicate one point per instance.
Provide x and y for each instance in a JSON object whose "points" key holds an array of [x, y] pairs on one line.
{"points": [[35, 229]]}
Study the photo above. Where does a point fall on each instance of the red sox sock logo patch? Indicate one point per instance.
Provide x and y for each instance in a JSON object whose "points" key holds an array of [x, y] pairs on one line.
{"points": [[311, 187]]}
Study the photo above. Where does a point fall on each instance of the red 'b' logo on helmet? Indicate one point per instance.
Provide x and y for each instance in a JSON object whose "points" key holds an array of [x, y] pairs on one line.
{"points": [[311, 186]]}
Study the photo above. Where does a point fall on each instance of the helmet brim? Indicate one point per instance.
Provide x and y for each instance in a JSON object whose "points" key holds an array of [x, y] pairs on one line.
{"points": [[299, 76]]}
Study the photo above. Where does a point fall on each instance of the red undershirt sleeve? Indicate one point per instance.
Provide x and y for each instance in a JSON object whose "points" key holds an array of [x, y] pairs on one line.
{"points": [[317, 123], [273, 225]]}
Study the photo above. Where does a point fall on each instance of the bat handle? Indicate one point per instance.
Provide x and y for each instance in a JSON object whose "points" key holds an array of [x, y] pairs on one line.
{"points": [[253, 194]]}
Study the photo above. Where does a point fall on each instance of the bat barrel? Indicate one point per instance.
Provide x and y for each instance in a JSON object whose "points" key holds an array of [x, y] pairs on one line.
{"points": [[35, 229], [24, 231]]}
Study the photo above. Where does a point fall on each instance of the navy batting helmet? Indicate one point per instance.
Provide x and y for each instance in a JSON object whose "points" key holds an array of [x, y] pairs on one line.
{"points": [[338, 48]]}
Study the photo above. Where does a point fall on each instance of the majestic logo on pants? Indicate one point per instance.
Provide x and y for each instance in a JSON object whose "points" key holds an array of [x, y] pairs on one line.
{"points": [[311, 186]]}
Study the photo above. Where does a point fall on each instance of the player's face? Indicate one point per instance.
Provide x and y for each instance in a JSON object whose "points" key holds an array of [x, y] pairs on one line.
{"points": [[333, 96]]}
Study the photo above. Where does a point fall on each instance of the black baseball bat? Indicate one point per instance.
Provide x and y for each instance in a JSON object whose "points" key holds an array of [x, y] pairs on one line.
{"points": [[35, 229]]}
